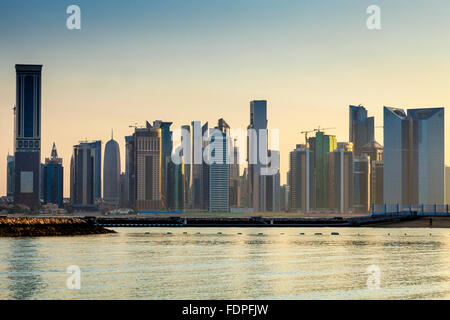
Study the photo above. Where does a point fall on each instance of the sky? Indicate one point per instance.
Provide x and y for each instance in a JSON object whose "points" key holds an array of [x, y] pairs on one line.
{"points": [[186, 60]]}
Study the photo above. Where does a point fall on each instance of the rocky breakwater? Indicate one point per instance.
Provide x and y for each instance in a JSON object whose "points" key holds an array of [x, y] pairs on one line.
{"points": [[36, 227]]}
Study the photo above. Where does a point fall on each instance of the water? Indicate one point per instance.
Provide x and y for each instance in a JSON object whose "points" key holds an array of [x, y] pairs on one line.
{"points": [[136, 265]]}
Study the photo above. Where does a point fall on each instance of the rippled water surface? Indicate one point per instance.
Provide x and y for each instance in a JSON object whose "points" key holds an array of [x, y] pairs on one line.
{"points": [[220, 263]]}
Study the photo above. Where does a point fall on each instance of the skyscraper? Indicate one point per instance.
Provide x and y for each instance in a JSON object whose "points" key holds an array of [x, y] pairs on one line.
{"points": [[272, 197], [82, 176], [130, 177], [375, 153], [10, 176], [147, 159], [53, 179], [321, 145], [340, 178], [219, 168], [96, 147], [301, 179], [361, 128], [166, 152], [257, 140], [27, 144], [196, 181], [413, 156], [111, 172], [447, 185], [361, 183]]}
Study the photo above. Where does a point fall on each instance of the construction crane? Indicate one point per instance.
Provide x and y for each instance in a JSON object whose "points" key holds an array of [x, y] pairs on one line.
{"points": [[319, 129], [306, 135]]}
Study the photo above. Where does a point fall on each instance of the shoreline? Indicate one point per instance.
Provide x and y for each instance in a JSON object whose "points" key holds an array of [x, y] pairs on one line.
{"points": [[39, 227]]}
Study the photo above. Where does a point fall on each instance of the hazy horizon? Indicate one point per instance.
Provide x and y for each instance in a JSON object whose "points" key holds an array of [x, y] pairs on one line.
{"points": [[207, 59]]}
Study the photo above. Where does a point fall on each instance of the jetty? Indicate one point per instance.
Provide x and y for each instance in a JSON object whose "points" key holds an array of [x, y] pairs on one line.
{"points": [[35, 227], [211, 220]]}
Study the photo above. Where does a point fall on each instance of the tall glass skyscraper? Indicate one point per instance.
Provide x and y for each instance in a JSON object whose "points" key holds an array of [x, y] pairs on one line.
{"points": [[257, 182], [413, 156], [27, 154], [111, 172], [219, 168], [361, 128]]}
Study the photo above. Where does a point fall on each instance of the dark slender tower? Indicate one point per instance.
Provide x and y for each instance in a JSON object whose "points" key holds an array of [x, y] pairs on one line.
{"points": [[27, 154]]}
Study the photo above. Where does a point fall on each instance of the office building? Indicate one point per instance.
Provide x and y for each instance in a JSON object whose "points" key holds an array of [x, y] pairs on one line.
{"points": [[219, 168], [272, 197], [257, 140], [10, 176], [361, 183], [82, 176], [375, 153], [130, 177], [301, 179], [361, 128], [321, 145], [27, 129], [147, 160], [111, 172], [53, 178], [413, 156], [340, 179], [447, 185]]}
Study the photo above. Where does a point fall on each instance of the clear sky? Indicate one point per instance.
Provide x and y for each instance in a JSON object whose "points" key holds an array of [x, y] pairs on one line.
{"points": [[184, 60]]}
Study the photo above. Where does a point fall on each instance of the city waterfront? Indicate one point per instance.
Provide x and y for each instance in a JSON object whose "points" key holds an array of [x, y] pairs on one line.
{"points": [[231, 263]]}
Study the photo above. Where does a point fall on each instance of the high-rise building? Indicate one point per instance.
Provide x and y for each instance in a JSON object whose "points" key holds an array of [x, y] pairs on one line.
{"points": [[196, 180], [166, 152], [361, 183], [321, 145], [235, 178], [447, 185], [257, 140], [53, 179], [111, 172], [82, 176], [147, 159], [301, 179], [413, 156], [96, 147], [130, 176], [375, 153], [340, 178], [361, 128], [27, 146], [10, 176], [186, 165], [219, 168], [272, 197]]}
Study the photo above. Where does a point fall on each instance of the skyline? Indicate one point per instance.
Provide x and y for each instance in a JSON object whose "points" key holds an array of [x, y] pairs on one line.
{"points": [[107, 69]]}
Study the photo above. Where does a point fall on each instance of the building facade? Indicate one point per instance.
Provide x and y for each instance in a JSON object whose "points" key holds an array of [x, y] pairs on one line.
{"points": [[321, 145], [361, 184], [413, 156], [257, 140], [27, 129], [111, 173], [82, 181], [340, 180], [361, 128], [10, 176], [301, 179], [147, 159], [53, 179], [219, 168]]}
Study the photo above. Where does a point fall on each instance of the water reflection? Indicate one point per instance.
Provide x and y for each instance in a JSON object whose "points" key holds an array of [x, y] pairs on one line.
{"points": [[25, 281]]}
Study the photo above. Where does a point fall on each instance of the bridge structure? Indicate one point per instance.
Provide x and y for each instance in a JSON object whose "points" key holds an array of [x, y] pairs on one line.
{"points": [[419, 210]]}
